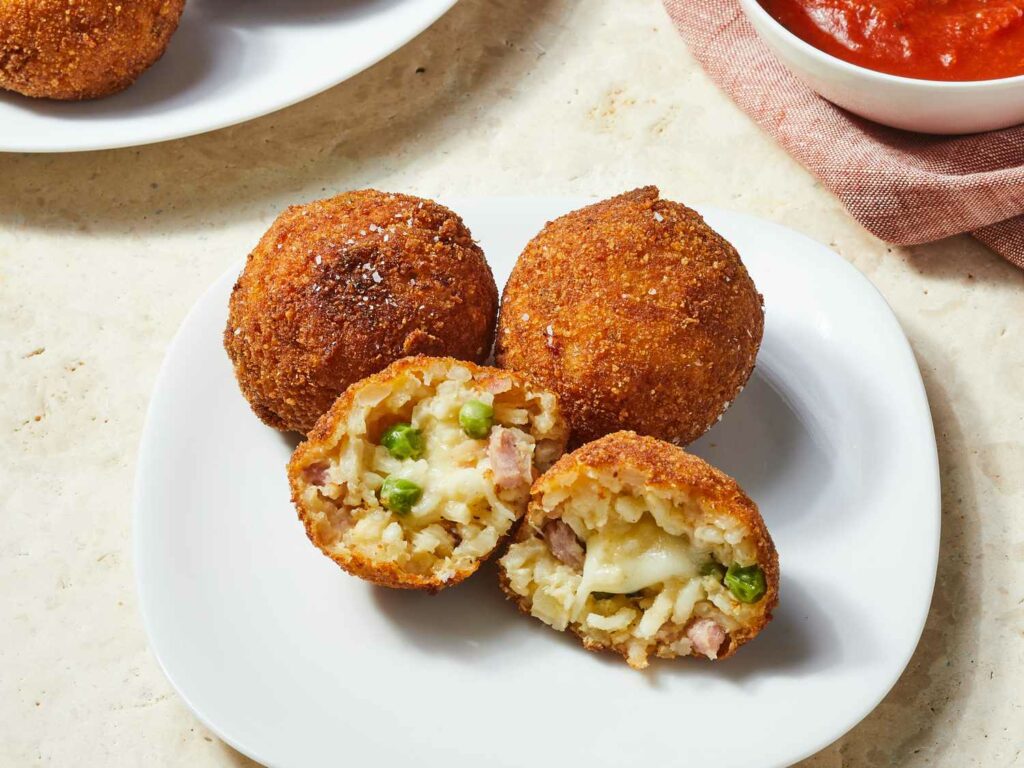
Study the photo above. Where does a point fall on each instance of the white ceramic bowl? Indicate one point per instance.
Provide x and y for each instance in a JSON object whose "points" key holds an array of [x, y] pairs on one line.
{"points": [[927, 106]]}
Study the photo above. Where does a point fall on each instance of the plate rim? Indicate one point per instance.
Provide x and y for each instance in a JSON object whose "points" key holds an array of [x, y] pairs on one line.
{"points": [[440, 8], [571, 202], [933, 466]]}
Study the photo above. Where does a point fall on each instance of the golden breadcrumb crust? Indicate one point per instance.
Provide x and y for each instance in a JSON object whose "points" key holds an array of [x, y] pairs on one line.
{"points": [[320, 442], [81, 49], [667, 467], [637, 314], [339, 288]]}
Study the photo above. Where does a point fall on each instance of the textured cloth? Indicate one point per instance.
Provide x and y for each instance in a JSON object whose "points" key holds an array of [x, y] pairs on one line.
{"points": [[903, 187]]}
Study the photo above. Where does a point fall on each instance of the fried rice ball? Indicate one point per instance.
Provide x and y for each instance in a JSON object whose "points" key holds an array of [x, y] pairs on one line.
{"points": [[338, 289], [417, 473], [81, 49], [637, 314], [641, 548]]}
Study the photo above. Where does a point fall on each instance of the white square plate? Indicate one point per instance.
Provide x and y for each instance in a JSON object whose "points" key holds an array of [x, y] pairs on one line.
{"points": [[295, 663]]}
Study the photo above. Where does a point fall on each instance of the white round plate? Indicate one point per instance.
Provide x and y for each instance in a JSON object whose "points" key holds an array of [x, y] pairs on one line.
{"points": [[229, 61], [295, 663]]}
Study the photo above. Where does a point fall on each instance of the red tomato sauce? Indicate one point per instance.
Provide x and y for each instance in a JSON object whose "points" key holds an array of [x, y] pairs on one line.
{"points": [[924, 39]]}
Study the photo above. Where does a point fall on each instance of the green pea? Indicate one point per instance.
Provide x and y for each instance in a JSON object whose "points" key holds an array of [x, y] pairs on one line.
{"points": [[399, 494], [476, 419], [713, 568], [746, 583], [403, 441]]}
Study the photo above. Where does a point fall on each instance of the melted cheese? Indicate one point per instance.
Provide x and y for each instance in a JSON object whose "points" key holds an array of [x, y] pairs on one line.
{"points": [[454, 471], [623, 558]]}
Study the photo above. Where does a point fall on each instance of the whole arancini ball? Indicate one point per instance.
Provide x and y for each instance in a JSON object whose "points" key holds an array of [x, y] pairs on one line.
{"points": [[637, 314], [338, 289], [81, 49]]}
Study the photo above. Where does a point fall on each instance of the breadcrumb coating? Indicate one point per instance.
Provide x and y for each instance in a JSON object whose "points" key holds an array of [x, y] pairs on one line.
{"points": [[338, 289], [637, 314], [81, 49]]}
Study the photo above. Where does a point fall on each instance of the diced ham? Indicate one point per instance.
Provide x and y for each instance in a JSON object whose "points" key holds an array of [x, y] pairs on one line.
{"points": [[453, 530], [563, 543], [511, 460], [342, 521], [497, 385], [316, 474], [707, 637]]}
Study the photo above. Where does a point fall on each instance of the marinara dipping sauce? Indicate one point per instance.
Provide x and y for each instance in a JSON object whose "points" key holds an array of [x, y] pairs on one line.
{"points": [[925, 39]]}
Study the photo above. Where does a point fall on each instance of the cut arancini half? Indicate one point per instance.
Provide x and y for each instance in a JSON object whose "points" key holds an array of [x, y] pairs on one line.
{"points": [[641, 548], [417, 473]]}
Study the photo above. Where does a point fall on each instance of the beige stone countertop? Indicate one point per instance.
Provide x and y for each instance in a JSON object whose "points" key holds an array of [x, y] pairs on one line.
{"points": [[102, 254]]}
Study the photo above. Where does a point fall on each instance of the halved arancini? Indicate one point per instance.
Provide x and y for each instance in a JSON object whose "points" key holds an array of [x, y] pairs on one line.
{"points": [[641, 548], [417, 473]]}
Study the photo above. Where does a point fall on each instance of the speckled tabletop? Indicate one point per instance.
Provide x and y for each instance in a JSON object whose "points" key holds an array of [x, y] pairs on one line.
{"points": [[101, 255]]}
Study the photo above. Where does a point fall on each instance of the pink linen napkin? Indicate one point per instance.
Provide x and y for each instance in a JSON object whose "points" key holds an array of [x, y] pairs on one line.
{"points": [[906, 188]]}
